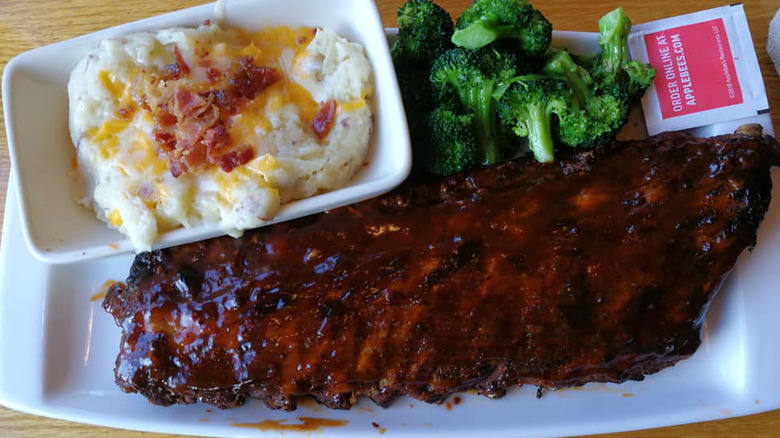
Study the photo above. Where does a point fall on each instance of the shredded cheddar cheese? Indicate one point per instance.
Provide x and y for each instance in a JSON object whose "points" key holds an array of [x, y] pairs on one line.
{"points": [[106, 138], [114, 86], [352, 105], [265, 166], [115, 219]]}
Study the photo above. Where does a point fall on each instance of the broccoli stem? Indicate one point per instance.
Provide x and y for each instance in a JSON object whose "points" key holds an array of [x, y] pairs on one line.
{"points": [[482, 104], [539, 133], [477, 35], [613, 34]]}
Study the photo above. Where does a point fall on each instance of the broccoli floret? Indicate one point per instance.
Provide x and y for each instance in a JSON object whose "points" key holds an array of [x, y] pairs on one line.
{"points": [[640, 76], [424, 31], [525, 64], [594, 114], [464, 81], [415, 88], [589, 128], [488, 20], [527, 106], [451, 145], [613, 66], [562, 66]]}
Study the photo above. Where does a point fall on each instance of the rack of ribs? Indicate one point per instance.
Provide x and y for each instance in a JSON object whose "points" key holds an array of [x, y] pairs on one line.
{"points": [[598, 267]]}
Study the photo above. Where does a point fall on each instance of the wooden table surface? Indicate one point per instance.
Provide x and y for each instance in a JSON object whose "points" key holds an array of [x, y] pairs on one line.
{"points": [[25, 25]]}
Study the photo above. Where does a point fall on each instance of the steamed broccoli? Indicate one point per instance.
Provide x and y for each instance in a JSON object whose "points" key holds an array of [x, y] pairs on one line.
{"points": [[612, 66], [488, 20], [462, 102], [451, 145], [464, 81], [528, 105], [578, 128], [595, 113]]}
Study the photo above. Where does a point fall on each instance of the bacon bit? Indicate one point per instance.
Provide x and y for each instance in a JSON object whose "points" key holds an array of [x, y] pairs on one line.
{"points": [[323, 120], [213, 74], [174, 71], [236, 158], [218, 149], [216, 139], [198, 147], [226, 101], [166, 141], [192, 129], [165, 118], [184, 102], [188, 134], [187, 104], [185, 69], [193, 157], [250, 80], [200, 111]]}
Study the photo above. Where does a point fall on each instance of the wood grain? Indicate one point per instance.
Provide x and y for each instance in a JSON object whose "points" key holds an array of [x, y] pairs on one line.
{"points": [[27, 25]]}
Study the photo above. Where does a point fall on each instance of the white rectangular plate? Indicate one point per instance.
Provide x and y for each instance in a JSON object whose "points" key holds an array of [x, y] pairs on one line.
{"points": [[57, 352], [35, 95]]}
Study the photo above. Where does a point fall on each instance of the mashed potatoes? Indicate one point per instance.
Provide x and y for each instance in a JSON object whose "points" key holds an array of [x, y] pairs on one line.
{"points": [[208, 125]]}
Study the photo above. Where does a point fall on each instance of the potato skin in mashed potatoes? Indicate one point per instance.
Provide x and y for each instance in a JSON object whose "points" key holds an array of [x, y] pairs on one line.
{"points": [[190, 126]]}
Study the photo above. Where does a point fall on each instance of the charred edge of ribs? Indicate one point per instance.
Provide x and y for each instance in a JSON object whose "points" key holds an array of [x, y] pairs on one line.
{"points": [[579, 342]]}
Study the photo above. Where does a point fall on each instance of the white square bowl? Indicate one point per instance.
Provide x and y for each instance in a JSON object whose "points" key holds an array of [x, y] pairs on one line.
{"points": [[59, 230]]}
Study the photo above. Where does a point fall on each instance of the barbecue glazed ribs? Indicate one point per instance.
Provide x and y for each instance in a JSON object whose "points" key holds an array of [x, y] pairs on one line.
{"points": [[596, 268]]}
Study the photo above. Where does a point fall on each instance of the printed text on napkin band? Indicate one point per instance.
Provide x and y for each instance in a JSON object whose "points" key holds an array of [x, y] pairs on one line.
{"points": [[695, 68]]}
